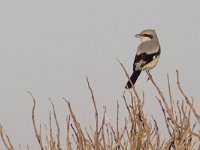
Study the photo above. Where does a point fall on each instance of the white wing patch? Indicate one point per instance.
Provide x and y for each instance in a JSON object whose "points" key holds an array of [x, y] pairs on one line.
{"points": [[151, 64]]}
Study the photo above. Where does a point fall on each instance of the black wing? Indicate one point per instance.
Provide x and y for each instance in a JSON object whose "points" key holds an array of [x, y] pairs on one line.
{"points": [[145, 58]]}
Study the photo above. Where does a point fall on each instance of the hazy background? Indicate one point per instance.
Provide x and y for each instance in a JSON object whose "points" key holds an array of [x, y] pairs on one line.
{"points": [[47, 47]]}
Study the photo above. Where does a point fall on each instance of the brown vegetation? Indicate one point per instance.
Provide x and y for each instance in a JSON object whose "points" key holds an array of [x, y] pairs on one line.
{"points": [[137, 133]]}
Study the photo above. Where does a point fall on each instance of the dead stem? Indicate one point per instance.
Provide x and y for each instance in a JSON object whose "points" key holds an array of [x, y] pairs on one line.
{"points": [[187, 99], [96, 117], [6, 141], [37, 134], [57, 125]]}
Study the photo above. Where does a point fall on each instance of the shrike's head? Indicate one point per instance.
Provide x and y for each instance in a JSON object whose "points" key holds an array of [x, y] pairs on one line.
{"points": [[147, 35]]}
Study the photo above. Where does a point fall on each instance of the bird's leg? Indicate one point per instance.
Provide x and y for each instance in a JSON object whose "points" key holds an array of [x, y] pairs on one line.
{"points": [[149, 75]]}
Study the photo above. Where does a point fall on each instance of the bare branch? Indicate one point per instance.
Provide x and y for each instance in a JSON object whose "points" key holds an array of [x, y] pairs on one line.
{"points": [[96, 116], [186, 98], [7, 143], [38, 136], [57, 125]]}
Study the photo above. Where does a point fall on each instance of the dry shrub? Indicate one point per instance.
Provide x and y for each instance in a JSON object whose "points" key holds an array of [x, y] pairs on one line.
{"points": [[137, 133]]}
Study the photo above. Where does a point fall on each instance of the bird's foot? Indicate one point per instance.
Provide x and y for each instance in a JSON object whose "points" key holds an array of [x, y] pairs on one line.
{"points": [[149, 76]]}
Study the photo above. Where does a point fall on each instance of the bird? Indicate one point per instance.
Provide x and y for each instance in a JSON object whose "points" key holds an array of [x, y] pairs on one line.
{"points": [[147, 55]]}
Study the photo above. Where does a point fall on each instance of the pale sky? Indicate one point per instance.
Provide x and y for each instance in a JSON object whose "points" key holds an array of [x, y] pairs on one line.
{"points": [[47, 47]]}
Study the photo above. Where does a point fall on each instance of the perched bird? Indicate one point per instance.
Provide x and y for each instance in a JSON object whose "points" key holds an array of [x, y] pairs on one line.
{"points": [[147, 55]]}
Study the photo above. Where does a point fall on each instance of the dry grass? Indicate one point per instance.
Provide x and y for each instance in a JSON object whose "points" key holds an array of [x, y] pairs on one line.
{"points": [[137, 133]]}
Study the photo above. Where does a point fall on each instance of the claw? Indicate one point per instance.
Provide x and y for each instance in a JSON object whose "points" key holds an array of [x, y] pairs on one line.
{"points": [[150, 76]]}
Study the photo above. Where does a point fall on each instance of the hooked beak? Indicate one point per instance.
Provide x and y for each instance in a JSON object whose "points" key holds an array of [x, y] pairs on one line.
{"points": [[138, 35]]}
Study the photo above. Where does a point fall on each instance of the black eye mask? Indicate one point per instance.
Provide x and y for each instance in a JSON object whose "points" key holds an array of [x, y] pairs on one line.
{"points": [[148, 35]]}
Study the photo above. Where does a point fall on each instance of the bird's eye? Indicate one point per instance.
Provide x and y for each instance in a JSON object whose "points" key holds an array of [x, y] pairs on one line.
{"points": [[148, 35]]}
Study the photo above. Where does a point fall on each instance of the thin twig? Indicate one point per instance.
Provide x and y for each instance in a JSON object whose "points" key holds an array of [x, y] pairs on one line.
{"points": [[186, 99], [38, 136], [68, 143], [8, 145], [80, 135], [127, 75], [50, 131], [57, 125], [96, 116]]}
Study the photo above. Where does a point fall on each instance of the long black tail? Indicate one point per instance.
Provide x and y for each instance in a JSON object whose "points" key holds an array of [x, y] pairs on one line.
{"points": [[133, 79]]}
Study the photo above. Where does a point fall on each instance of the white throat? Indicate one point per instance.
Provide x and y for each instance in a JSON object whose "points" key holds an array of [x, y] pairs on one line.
{"points": [[144, 39]]}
